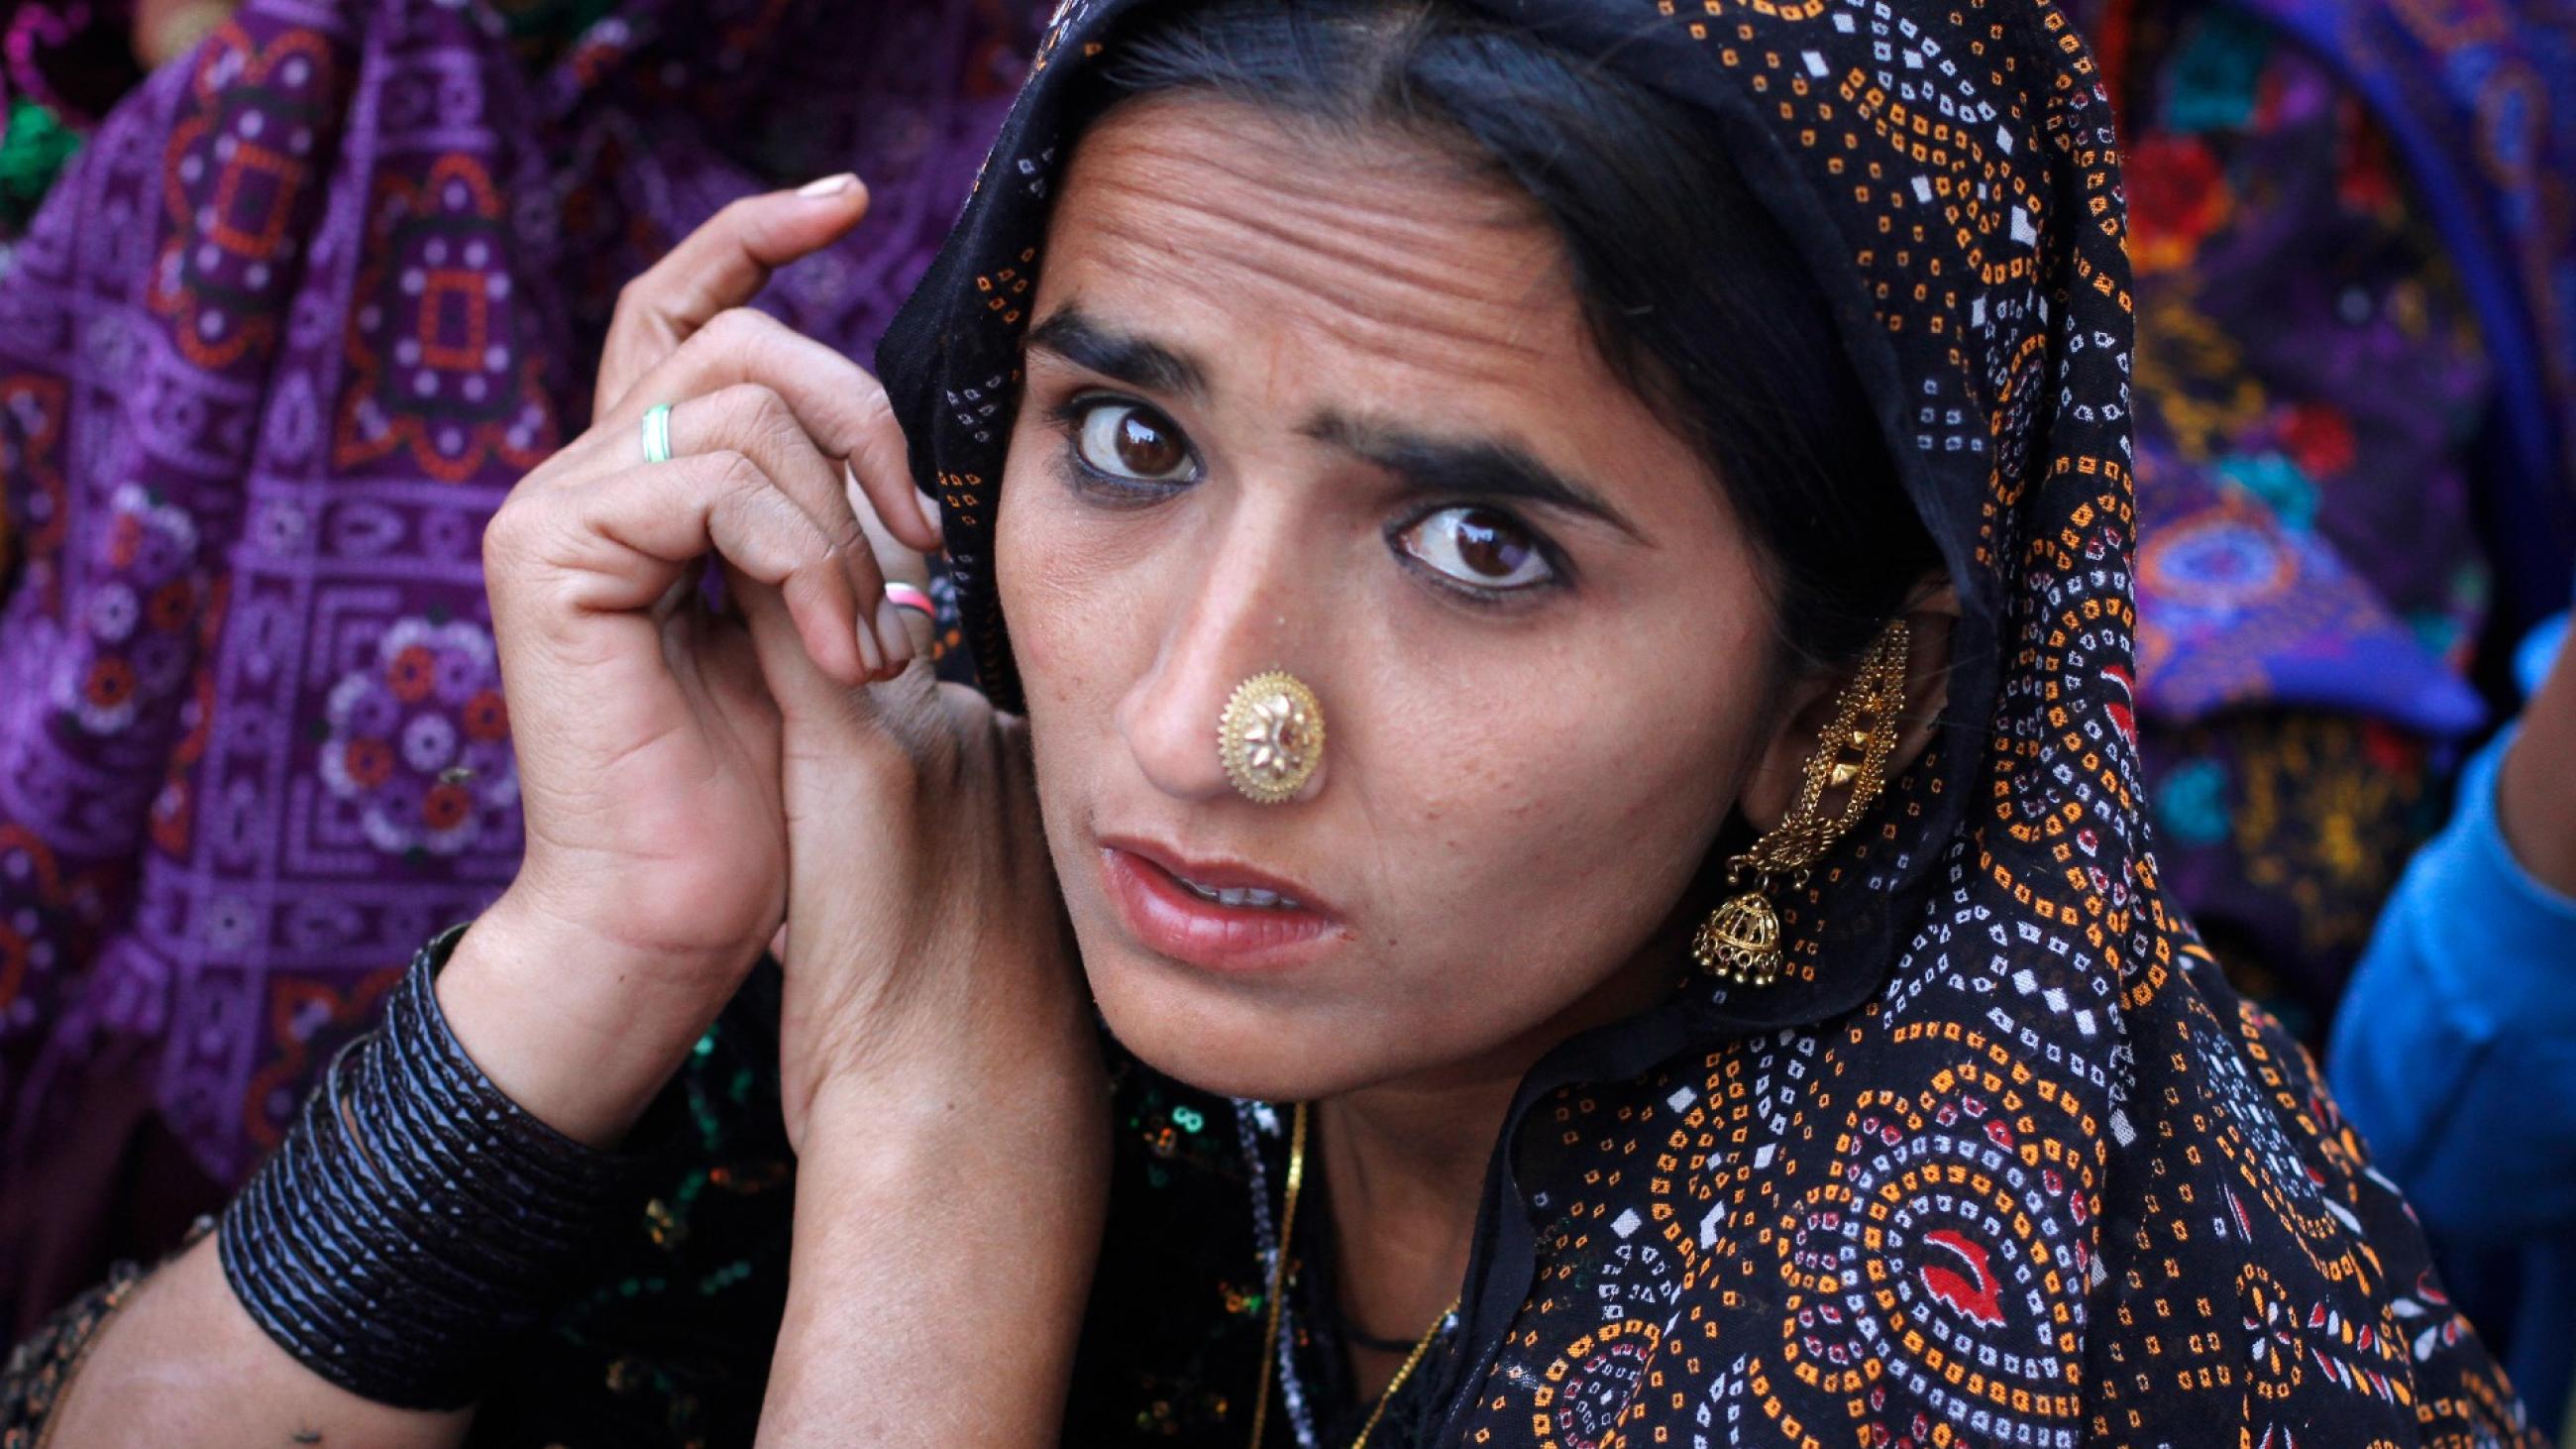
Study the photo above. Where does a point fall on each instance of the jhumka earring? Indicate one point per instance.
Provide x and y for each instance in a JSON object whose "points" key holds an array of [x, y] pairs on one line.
{"points": [[1740, 940], [1271, 737]]}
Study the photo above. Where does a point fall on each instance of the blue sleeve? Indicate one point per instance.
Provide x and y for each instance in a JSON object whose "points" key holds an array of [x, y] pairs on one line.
{"points": [[2454, 1052]]}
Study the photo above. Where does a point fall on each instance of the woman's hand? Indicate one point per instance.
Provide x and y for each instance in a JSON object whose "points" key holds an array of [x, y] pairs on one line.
{"points": [[925, 948], [687, 779], [939, 1071], [648, 745], [940, 1074]]}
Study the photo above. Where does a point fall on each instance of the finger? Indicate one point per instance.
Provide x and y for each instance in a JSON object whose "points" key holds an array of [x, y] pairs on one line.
{"points": [[803, 691], [622, 544], [722, 264], [897, 560], [754, 420], [840, 406], [898, 565], [904, 708], [906, 711]]}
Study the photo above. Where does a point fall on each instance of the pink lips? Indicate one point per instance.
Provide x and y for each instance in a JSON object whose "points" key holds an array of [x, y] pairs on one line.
{"points": [[1152, 888]]}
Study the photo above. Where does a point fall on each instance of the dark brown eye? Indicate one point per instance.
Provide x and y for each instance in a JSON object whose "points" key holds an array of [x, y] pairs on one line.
{"points": [[1479, 547], [1129, 440]]}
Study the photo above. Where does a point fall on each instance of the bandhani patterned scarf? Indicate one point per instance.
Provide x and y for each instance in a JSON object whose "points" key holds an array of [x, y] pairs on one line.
{"points": [[2004, 1160], [306, 306]]}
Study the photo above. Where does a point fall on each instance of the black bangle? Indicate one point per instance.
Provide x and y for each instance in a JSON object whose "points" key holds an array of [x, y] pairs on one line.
{"points": [[414, 1220]]}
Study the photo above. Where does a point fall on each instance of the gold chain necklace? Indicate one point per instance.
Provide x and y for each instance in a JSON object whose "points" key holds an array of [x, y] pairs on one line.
{"points": [[1279, 1291]]}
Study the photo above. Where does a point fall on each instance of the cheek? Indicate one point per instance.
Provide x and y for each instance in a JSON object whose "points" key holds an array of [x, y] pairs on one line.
{"points": [[1084, 595], [1563, 802], [1059, 604]]}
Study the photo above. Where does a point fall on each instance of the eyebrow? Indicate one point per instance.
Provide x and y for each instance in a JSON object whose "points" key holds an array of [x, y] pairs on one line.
{"points": [[1465, 468], [1090, 344]]}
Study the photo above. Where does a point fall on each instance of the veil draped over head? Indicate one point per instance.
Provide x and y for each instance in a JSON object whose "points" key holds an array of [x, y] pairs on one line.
{"points": [[2002, 1159]]}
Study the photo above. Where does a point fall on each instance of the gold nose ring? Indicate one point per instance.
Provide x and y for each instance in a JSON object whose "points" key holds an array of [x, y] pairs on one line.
{"points": [[1271, 737]]}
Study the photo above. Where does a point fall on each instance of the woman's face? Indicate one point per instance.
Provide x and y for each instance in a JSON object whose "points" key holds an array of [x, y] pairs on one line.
{"points": [[1331, 407]]}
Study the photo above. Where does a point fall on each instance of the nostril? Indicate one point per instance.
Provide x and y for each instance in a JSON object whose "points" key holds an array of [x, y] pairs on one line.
{"points": [[1171, 728]]}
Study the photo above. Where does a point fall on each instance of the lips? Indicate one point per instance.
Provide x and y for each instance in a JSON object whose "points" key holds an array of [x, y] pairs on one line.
{"points": [[1218, 915]]}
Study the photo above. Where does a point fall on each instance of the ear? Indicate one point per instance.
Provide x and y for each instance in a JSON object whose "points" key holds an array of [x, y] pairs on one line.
{"points": [[1771, 786]]}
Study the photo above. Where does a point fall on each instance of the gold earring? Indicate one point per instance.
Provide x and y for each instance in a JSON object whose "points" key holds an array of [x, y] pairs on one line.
{"points": [[1740, 940], [1271, 737]]}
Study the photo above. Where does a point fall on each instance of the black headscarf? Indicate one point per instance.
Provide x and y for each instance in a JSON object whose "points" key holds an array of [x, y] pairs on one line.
{"points": [[2002, 1159]]}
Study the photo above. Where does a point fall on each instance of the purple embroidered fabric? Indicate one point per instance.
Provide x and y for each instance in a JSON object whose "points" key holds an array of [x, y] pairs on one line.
{"points": [[304, 308]]}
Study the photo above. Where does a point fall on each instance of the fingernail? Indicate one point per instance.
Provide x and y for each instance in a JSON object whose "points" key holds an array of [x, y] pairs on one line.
{"points": [[869, 654], [829, 185], [898, 639], [929, 510]]}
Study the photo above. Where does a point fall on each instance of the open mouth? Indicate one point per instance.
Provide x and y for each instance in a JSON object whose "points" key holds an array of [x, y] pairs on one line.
{"points": [[1222, 914], [1246, 897]]}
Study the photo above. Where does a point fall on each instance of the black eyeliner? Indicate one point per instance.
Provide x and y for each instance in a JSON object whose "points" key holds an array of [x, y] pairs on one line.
{"points": [[1560, 568], [1104, 488]]}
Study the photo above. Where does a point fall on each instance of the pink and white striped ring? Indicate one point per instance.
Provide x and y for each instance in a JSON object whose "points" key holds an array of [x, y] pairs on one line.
{"points": [[905, 596]]}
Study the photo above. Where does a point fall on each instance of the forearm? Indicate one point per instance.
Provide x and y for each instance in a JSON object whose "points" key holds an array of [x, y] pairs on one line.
{"points": [[2536, 790], [185, 1361], [182, 1363], [943, 1254]]}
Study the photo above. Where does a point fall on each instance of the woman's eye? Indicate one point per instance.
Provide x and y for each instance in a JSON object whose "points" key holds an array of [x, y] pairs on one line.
{"points": [[1478, 547], [1131, 441]]}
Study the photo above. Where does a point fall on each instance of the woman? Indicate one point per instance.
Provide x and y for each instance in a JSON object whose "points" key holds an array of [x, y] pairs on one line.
{"points": [[1480, 582]]}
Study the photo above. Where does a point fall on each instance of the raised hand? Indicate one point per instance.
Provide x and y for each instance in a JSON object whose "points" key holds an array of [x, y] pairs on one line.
{"points": [[648, 744]]}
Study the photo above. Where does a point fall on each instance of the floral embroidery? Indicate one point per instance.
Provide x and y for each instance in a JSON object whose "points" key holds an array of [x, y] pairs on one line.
{"points": [[132, 646], [420, 741]]}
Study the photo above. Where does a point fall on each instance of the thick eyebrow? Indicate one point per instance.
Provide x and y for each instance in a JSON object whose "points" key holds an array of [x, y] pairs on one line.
{"points": [[1465, 468], [1090, 344]]}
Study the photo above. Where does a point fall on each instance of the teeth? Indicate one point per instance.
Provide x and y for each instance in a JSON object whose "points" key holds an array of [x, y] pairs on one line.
{"points": [[1240, 896]]}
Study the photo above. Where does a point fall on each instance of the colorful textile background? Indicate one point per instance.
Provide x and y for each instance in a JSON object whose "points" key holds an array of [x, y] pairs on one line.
{"points": [[2355, 351], [63, 64], [2479, 99], [313, 299], [301, 311]]}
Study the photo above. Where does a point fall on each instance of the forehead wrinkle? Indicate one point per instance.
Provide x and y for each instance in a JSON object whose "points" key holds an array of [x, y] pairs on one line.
{"points": [[1355, 286], [1160, 158], [1497, 357], [1344, 213]]}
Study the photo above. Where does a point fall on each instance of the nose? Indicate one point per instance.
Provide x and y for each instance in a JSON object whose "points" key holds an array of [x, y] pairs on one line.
{"points": [[1244, 612]]}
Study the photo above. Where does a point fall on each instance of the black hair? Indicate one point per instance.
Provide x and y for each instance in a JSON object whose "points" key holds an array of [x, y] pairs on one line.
{"points": [[1690, 288]]}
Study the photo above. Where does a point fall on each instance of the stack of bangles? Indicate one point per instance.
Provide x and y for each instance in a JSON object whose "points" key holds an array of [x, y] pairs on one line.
{"points": [[415, 1220], [657, 449]]}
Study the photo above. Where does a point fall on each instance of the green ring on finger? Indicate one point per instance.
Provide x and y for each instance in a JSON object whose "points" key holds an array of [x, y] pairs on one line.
{"points": [[657, 433]]}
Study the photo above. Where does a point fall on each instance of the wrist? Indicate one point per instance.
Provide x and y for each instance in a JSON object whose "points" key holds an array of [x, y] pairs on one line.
{"points": [[414, 1221], [1030, 1088], [931, 1071], [579, 1030]]}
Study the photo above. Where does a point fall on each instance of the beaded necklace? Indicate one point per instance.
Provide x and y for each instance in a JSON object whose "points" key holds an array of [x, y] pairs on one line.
{"points": [[1279, 1290]]}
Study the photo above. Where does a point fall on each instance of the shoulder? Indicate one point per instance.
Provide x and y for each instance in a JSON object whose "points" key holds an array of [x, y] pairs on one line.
{"points": [[2161, 1231]]}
